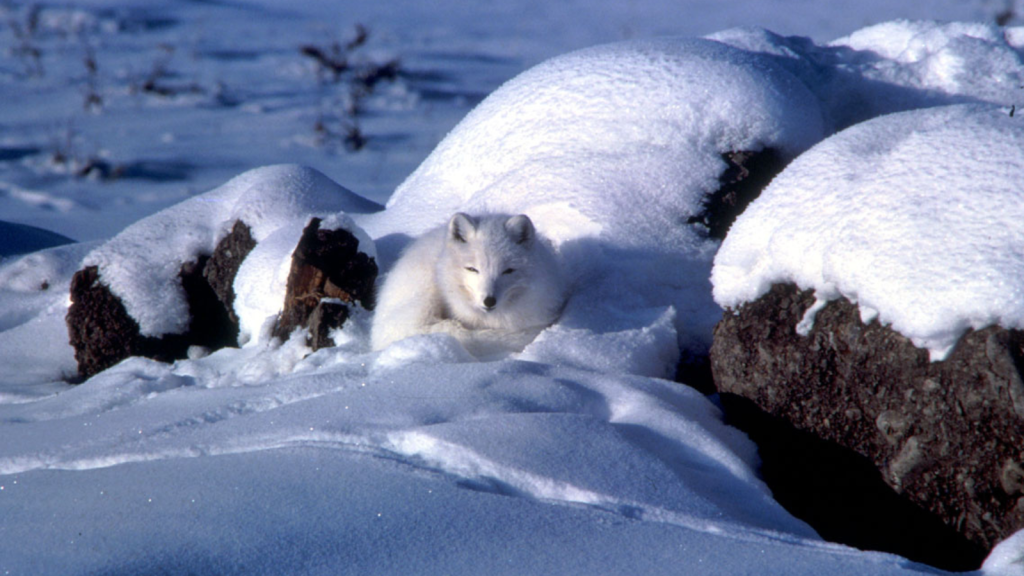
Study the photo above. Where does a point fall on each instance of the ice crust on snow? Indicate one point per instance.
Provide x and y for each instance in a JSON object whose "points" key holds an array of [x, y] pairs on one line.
{"points": [[654, 451], [142, 263], [917, 217]]}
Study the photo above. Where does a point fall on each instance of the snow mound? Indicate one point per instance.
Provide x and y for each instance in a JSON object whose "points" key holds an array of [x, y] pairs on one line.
{"points": [[898, 66], [917, 217], [970, 59], [141, 264], [610, 150], [22, 239], [618, 135], [34, 349]]}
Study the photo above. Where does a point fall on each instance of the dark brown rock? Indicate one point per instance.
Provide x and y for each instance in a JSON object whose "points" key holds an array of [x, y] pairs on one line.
{"points": [[325, 264], [946, 436], [223, 265], [327, 316], [101, 331]]}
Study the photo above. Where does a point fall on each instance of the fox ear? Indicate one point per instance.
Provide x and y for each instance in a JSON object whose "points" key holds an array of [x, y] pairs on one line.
{"points": [[460, 226], [520, 228]]}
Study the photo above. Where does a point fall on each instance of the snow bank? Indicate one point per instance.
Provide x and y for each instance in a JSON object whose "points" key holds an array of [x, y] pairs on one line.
{"points": [[628, 449], [898, 66], [623, 136], [1007, 558], [141, 264], [610, 150], [917, 217], [971, 60], [34, 352]]}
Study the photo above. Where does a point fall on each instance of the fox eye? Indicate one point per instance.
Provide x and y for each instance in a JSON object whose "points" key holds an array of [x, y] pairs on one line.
{"points": [[508, 270], [471, 269]]}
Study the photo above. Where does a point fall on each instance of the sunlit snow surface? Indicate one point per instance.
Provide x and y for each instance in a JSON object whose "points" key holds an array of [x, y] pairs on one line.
{"points": [[568, 458]]}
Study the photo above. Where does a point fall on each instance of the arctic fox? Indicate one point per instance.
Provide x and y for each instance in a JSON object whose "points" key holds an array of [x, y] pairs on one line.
{"points": [[490, 281]]}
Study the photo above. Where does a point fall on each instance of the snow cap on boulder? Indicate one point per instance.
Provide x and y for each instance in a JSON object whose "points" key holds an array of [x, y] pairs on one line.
{"points": [[903, 215], [141, 264]]}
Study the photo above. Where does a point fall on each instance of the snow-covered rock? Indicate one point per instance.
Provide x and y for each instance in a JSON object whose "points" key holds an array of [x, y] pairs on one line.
{"points": [[141, 265], [917, 217], [610, 150]]}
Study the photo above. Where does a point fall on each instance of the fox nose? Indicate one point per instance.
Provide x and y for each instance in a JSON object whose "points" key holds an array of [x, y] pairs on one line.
{"points": [[489, 302]]}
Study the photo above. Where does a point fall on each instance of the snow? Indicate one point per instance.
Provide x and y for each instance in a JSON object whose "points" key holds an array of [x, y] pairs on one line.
{"points": [[1007, 558], [424, 458], [141, 264], [573, 456], [898, 65], [596, 134], [917, 217]]}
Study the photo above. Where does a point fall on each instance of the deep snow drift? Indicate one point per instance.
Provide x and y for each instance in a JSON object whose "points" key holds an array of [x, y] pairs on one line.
{"points": [[570, 456]]}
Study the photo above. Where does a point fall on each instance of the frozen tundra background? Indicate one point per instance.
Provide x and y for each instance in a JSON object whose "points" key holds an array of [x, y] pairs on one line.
{"points": [[574, 456]]}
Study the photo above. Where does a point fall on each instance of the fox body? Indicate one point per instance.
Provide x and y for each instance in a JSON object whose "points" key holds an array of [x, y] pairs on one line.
{"points": [[490, 281]]}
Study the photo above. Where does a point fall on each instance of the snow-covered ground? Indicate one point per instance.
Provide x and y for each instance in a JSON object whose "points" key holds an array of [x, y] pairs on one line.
{"points": [[574, 456]]}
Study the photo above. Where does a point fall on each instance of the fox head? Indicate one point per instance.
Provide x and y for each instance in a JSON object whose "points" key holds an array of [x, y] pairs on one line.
{"points": [[487, 262]]}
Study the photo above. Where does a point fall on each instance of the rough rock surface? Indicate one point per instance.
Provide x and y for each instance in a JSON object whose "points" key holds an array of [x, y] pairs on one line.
{"points": [[326, 264], [946, 436], [221, 269], [102, 333]]}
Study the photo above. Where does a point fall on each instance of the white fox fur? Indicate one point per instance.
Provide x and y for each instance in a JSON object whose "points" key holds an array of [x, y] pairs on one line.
{"points": [[490, 281]]}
